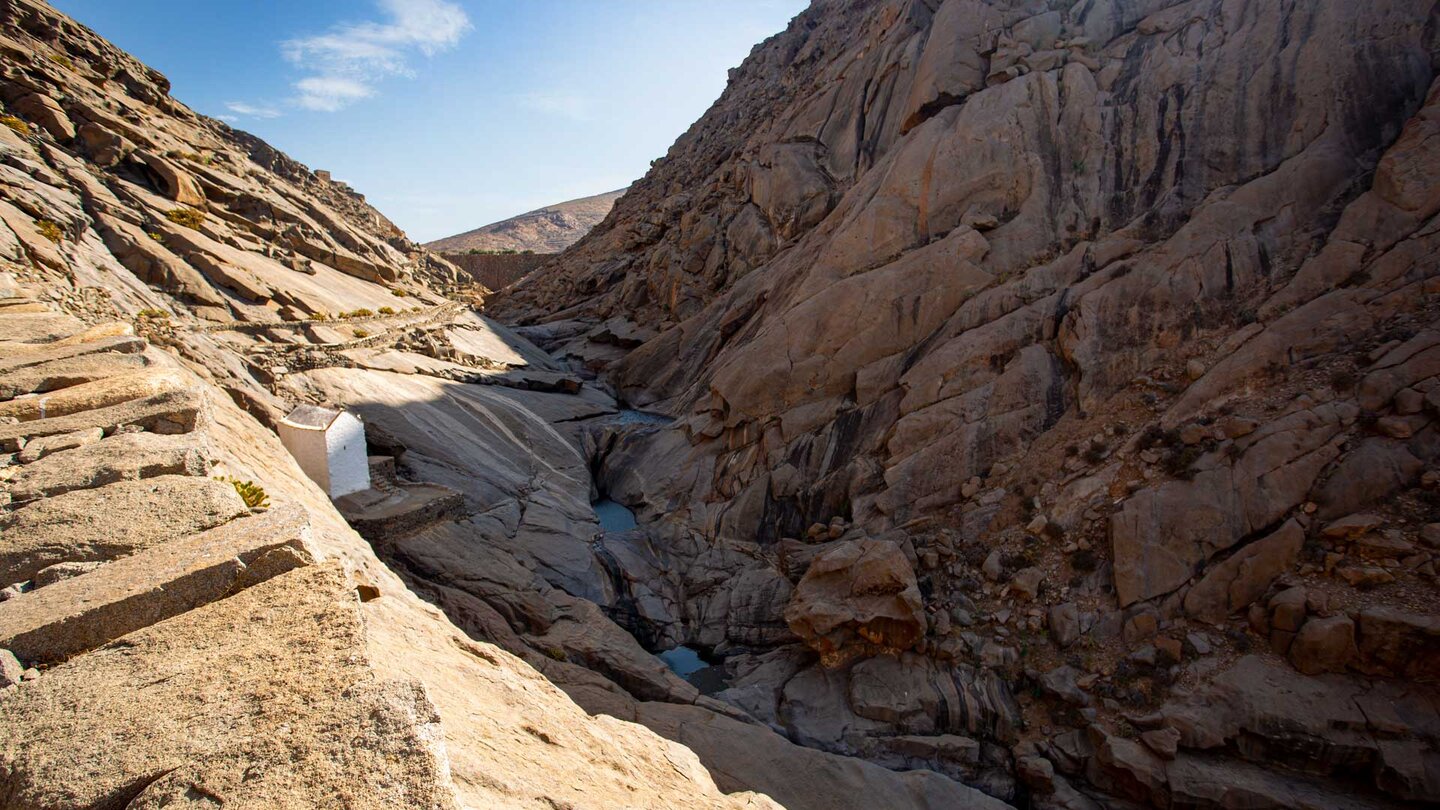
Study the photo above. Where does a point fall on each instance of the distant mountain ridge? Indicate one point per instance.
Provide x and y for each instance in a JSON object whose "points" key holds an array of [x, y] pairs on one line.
{"points": [[545, 230]]}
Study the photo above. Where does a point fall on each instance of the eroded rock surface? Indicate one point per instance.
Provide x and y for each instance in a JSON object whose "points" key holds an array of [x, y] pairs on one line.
{"points": [[857, 597], [1099, 313], [1039, 405]]}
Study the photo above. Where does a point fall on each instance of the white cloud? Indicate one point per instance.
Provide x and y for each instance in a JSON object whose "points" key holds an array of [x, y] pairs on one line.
{"points": [[330, 93], [565, 105], [251, 110], [351, 58]]}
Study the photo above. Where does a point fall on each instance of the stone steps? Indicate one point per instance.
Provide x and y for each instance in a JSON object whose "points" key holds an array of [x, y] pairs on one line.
{"points": [[67, 618]]}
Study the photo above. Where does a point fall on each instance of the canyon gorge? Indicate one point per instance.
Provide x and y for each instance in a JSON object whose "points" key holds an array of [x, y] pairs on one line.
{"points": [[986, 403]]}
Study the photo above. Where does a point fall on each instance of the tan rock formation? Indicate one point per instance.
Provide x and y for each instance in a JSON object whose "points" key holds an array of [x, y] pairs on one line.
{"points": [[369, 693], [1107, 305], [856, 598], [1018, 354], [159, 606]]}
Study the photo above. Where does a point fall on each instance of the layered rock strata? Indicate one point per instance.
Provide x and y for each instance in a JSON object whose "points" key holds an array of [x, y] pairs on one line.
{"points": [[1116, 319]]}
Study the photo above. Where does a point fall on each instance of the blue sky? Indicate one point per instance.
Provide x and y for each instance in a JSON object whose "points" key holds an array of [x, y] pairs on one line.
{"points": [[450, 114]]}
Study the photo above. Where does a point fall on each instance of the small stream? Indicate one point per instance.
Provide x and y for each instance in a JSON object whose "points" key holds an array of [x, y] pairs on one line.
{"points": [[633, 417], [683, 661], [613, 517], [687, 663]]}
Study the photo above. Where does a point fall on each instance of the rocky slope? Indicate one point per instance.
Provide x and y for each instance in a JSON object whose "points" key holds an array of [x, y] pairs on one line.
{"points": [[167, 285], [1054, 394], [545, 230]]}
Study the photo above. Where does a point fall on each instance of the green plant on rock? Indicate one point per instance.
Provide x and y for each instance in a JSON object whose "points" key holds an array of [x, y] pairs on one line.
{"points": [[387, 310], [362, 313], [50, 230], [250, 492], [398, 293], [361, 333], [189, 217], [153, 314], [156, 236], [319, 316], [62, 60], [15, 124]]}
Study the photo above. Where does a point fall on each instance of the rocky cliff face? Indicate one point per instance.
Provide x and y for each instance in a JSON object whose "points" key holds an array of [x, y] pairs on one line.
{"points": [[1115, 320], [179, 596], [1049, 397], [166, 636]]}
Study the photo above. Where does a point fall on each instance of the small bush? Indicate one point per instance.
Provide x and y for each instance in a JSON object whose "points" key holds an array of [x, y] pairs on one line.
{"points": [[189, 217], [250, 492], [1154, 437], [361, 333], [62, 60], [319, 316], [15, 124], [1177, 462], [387, 310], [1096, 452], [398, 293], [50, 230], [361, 313], [153, 314], [1012, 561], [157, 237]]}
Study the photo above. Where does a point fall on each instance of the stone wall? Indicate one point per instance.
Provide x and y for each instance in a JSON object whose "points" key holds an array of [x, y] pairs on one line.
{"points": [[498, 270]]}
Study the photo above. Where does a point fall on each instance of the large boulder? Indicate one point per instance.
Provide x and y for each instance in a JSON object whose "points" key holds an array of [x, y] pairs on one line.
{"points": [[1324, 645], [1392, 642], [1162, 533], [43, 110], [1245, 575], [858, 598]]}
